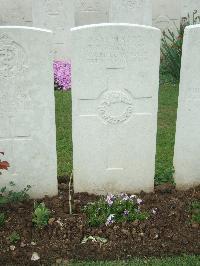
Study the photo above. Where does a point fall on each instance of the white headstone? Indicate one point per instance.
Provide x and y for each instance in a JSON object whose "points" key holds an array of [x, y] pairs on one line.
{"points": [[186, 154], [27, 111], [115, 97], [167, 14], [16, 12], [58, 16], [91, 12], [189, 6], [131, 11]]}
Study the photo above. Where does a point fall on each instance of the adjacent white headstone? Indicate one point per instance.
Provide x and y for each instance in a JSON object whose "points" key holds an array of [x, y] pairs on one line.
{"points": [[131, 11], [189, 6], [167, 14], [27, 110], [91, 12], [58, 16], [16, 12], [186, 154], [115, 99]]}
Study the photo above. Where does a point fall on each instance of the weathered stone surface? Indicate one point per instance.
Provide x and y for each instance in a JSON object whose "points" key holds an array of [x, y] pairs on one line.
{"points": [[58, 16], [115, 95], [15, 12], [27, 111], [167, 14], [189, 6], [131, 11], [91, 12], [186, 153]]}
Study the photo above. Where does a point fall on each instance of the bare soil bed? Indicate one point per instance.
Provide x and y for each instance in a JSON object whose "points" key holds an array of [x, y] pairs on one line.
{"points": [[167, 232]]}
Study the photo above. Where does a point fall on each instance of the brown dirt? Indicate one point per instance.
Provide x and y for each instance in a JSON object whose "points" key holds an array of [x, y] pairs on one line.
{"points": [[168, 232]]}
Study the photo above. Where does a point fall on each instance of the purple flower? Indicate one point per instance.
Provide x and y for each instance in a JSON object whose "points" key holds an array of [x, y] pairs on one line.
{"points": [[126, 197], [62, 74], [126, 213], [110, 219], [109, 199]]}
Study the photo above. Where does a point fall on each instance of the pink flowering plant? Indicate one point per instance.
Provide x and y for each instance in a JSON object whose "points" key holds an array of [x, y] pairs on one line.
{"points": [[62, 75], [115, 209]]}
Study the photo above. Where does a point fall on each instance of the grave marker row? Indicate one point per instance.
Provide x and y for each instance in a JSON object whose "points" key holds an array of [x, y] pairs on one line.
{"points": [[61, 15], [115, 103]]}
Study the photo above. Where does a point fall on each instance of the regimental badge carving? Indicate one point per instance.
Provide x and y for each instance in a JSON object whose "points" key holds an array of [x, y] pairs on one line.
{"points": [[13, 59], [115, 107]]}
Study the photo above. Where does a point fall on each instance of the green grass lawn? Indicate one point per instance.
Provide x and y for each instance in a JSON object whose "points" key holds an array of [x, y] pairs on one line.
{"points": [[64, 132], [165, 138], [173, 261]]}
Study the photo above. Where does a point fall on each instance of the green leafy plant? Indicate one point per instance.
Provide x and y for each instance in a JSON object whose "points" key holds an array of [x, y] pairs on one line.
{"points": [[114, 208], [171, 48], [2, 219], [195, 208], [10, 196], [14, 237], [41, 215]]}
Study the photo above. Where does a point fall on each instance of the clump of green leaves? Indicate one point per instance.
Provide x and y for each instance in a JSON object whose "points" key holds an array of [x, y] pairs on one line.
{"points": [[171, 48], [195, 208], [14, 237], [113, 209], [41, 215], [10, 196], [2, 219]]}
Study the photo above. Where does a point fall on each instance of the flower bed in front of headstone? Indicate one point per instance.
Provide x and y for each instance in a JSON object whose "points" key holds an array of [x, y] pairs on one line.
{"points": [[44, 231]]}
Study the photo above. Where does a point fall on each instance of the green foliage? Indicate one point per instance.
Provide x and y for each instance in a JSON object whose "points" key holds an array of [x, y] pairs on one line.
{"points": [[64, 132], [14, 237], [168, 101], [171, 55], [195, 208], [171, 48], [10, 196], [2, 219], [119, 208], [41, 215], [166, 177], [184, 260]]}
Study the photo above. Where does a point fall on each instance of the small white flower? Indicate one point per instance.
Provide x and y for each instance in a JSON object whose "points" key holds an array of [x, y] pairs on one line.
{"points": [[110, 219]]}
